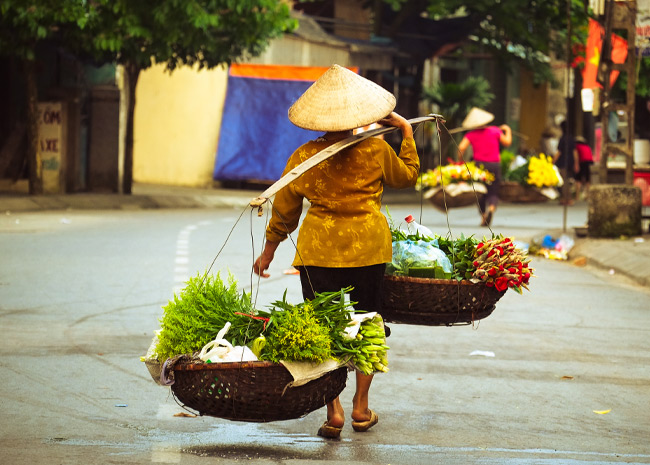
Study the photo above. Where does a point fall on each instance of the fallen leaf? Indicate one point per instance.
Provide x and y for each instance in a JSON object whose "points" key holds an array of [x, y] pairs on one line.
{"points": [[183, 414], [580, 261], [602, 412]]}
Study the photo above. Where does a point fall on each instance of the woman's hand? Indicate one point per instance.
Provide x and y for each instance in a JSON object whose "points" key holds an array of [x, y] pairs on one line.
{"points": [[398, 121], [264, 260], [505, 138]]}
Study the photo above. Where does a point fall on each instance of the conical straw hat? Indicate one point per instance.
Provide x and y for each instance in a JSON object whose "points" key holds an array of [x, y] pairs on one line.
{"points": [[477, 118], [341, 100]]}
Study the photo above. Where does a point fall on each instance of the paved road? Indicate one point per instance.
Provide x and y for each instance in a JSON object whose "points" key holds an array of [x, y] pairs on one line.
{"points": [[81, 292]]}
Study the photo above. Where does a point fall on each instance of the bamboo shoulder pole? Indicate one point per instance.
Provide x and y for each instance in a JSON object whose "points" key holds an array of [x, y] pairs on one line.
{"points": [[325, 154]]}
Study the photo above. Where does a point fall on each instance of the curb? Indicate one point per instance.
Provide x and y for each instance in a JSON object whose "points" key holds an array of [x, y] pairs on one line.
{"points": [[628, 260], [117, 202]]}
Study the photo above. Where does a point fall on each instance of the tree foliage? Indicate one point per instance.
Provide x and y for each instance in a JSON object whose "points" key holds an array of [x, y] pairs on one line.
{"points": [[527, 31], [206, 33], [455, 99], [23, 24]]}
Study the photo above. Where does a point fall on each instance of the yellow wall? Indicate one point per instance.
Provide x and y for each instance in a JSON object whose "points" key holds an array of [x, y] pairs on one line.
{"points": [[533, 110], [176, 128]]}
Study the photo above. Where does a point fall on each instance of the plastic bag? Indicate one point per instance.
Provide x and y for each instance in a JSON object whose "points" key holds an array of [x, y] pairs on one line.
{"points": [[219, 350], [410, 255], [517, 162], [564, 244], [555, 249], [350, 331]]}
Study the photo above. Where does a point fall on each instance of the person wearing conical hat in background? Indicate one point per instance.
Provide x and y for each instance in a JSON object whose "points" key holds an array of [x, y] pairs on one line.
{"points": [[344, 239], [486, 142]]}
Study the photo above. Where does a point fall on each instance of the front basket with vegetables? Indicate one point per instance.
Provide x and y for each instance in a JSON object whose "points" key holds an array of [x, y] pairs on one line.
{"points": [[212, 331]]}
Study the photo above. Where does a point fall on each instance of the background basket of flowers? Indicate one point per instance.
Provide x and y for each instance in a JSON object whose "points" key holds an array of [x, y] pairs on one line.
{"points": [[460, 286], [454, 185], [535, 179]]}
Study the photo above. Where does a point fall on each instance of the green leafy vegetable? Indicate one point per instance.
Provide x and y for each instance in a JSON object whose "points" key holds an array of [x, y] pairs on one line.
{"points": [[204, 306], [297, 336], [460, 252]]}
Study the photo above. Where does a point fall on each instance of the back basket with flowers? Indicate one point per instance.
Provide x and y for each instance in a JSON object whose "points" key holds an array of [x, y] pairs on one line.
{"points": [[535, 179], [438, 281], [454, 185]]}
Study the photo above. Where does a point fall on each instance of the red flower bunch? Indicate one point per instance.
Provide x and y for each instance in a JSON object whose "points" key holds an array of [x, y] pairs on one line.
{"points": [[501, 264]]}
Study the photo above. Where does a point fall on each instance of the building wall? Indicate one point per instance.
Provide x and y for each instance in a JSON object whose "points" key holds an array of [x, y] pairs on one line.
{"points": [[294, 51], [176, 128], [534, 105]]}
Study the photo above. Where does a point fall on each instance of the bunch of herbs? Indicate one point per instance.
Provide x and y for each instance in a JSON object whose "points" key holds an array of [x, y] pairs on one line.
{"points": [[330, 311], [460, 252], [296, 335], [204, 306]]}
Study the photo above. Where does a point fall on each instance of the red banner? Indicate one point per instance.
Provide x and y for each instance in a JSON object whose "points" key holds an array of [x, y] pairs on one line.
{"points": [[592, 55]]}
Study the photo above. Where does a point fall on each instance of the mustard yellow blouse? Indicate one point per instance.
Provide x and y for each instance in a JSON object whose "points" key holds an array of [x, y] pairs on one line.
{"points": [[344, 226]]}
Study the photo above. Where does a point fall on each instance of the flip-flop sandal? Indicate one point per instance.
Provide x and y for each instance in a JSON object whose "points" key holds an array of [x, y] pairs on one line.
{"points": [[330, 432], [361, 426]]}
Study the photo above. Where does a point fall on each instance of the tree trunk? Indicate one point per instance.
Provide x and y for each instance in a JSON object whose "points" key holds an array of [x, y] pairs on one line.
{"points": [[132, 74], [33, 157]]}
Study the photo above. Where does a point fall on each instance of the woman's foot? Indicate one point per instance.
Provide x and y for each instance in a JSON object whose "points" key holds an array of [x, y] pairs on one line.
{"points": [[329, 431], [335, 420], [487, 219], [370, 419]]}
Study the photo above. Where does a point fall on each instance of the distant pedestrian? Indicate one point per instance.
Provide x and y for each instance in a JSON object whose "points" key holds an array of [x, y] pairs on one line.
{"points": [[585, 160], [486, 142], [549, 140], [566, 159]]}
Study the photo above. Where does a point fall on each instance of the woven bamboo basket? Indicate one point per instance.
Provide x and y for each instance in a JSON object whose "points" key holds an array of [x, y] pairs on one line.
{"points": [[455, 195], [251, 391], [436, 302], [510, 191]]}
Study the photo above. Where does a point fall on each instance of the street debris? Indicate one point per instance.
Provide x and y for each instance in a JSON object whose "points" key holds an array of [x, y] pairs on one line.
{"points": [[552, 248], [602, 412], [482, 353]]}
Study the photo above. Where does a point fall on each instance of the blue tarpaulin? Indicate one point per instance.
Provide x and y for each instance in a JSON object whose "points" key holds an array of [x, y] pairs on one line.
{"points": [[256, 136]]}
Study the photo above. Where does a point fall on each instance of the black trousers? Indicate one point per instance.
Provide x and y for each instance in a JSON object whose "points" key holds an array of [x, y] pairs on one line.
{"points": [[492, 196], [366, 281]]}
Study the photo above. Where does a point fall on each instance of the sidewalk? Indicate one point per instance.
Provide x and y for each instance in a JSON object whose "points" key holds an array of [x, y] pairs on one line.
{"points": [[144, 196], [629, 257]]}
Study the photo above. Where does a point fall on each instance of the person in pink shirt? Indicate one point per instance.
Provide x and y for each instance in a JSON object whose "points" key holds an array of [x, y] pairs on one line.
{"points": [[585, 159], [486, 142]]}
